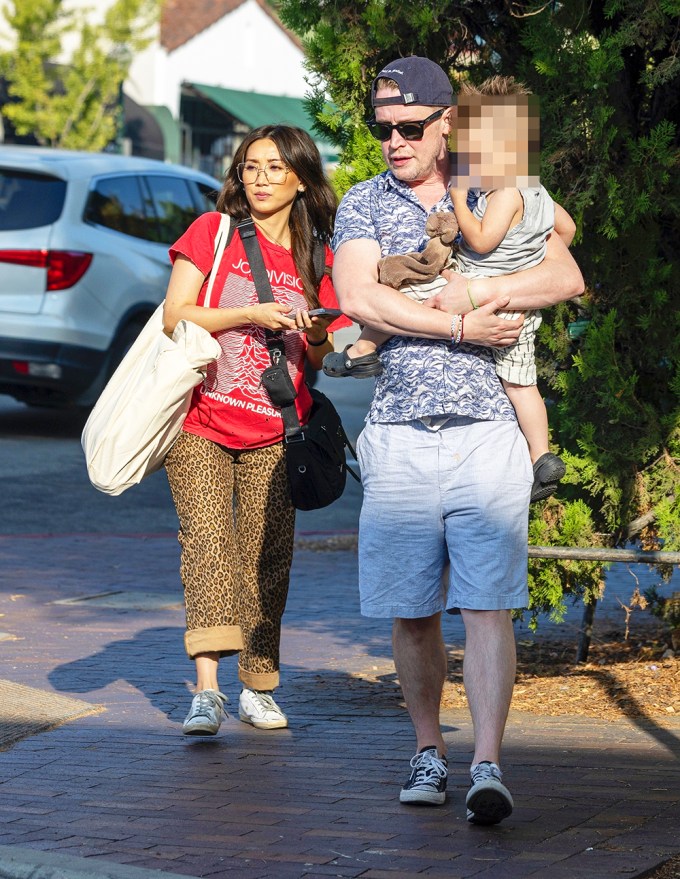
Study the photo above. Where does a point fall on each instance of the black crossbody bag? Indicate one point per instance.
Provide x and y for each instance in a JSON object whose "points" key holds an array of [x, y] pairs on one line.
{"points": [[315, 454]]}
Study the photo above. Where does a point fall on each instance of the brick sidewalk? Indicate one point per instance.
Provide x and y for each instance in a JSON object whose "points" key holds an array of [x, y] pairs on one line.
{"points": [[124, 786]]}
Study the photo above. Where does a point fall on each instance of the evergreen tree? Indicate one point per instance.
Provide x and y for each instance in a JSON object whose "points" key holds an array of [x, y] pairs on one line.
{"points": [[76, 104], [608, 76]]}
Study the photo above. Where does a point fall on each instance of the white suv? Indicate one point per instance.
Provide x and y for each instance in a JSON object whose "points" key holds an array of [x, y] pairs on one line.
{"points": [[83, 263]]}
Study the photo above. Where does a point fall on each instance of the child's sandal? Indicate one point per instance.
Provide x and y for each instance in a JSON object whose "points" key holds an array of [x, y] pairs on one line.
{"points": [[339, 365]]}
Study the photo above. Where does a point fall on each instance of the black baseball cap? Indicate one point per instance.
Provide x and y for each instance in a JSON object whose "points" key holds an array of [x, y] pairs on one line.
{"points": [[420, 81]]}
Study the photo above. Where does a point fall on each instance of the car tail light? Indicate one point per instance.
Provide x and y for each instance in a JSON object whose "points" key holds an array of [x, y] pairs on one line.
{"points": [[64, 267], [42, 370]]}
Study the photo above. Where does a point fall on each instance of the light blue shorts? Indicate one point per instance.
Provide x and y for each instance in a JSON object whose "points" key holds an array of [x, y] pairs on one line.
{"points": [[460, 493]]}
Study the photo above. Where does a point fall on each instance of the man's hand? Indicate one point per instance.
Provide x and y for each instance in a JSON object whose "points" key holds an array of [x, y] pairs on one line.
{"points": [[484, 327]]}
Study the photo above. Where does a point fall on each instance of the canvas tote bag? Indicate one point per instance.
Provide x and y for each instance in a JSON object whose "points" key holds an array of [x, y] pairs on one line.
{"points": [[141, 410]]}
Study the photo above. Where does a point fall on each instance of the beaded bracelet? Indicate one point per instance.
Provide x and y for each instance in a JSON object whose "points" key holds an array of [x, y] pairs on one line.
{"points": [[318, 344], [456, 329]]}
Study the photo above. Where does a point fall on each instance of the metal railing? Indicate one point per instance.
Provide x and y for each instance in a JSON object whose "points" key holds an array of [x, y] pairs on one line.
{"points": [[603, 554], [599, 554]]}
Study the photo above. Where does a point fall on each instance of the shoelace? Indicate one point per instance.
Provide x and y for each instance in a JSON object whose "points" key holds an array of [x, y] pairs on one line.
{"points": [[429, 768], [485, 770], [266, 701], [207, 701]]}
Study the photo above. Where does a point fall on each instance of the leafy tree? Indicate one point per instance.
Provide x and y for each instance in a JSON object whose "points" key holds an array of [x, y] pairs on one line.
{"points": [[77, 104], [608, 76]]}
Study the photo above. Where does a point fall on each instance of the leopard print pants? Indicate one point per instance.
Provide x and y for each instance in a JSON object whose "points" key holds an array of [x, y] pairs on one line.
{"points": [[236, 533]]}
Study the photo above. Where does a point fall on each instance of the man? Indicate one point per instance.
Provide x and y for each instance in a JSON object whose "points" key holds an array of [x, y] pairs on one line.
{"points": [[446, 472]]}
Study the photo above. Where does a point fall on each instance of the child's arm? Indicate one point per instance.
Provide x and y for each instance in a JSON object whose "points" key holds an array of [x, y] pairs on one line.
{"points": [[501, 215], [564, 225]]}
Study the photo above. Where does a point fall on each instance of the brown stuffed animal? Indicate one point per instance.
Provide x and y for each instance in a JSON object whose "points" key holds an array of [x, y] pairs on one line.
{"points": [[418, 268]]}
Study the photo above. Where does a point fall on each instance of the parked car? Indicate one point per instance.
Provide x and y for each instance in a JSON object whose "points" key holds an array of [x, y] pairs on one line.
{"points": [[83, 263]]}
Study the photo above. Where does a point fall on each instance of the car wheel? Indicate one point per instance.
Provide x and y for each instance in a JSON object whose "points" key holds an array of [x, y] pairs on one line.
{"points": [[119, 348]]}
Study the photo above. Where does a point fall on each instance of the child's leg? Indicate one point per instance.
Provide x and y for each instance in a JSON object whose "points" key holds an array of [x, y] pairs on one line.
{"points": [[367, 343], [361, 360], [531, 415], [370, 339], [516, 367]]}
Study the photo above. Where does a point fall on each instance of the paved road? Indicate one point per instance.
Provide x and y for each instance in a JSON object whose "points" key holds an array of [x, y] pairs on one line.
{"points": [[46, 491], [593, 799]]}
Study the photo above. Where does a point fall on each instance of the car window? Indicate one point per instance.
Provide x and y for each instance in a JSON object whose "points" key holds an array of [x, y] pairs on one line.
{"points": [[207, 196], [29, 200], [116, 202], [173, 205]]}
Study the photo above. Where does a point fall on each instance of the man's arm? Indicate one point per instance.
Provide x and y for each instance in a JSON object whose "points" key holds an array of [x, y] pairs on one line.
{"points": [[365, 300], [564, 225], [555, 279]]}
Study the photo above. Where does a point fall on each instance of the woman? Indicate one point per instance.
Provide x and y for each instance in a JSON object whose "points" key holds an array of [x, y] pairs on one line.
{"points": [[227, 471]]}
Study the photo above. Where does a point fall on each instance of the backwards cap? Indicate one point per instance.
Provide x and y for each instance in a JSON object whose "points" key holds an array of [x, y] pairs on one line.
{"points": [[419, 80]]}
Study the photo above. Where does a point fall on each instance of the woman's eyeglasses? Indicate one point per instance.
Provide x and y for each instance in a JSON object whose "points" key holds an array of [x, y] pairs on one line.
{"points": [[382, 131], [274, 172]]}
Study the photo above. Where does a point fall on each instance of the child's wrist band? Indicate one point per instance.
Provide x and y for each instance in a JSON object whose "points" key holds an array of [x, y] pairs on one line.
{"points": [[469, 293]]}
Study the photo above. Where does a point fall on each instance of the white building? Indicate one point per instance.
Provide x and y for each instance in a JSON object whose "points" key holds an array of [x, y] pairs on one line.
{"points": [[214, 70]]}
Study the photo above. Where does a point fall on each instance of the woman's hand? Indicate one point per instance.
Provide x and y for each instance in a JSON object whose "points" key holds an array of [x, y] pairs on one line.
{"points": [[271, 316], [484, 327], [315, 328]]}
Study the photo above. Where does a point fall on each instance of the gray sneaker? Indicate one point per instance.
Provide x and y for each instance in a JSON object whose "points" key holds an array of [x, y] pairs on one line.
{"points": [[206, 713], [488, 801], [427, 782]]}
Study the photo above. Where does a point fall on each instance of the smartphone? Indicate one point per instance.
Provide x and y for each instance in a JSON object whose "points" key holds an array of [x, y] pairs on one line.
{"points": [[325, 312], [321, 312]]}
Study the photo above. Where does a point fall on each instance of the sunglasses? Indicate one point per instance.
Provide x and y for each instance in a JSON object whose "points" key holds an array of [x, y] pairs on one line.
{"points": [[408, 130]]}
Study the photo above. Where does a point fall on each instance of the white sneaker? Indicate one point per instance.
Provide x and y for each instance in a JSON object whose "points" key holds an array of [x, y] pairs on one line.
{"points": [[258, 708], [206, 713]]}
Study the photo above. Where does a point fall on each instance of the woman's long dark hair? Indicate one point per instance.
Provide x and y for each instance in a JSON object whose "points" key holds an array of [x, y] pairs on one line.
{"points": [[313, 211]]}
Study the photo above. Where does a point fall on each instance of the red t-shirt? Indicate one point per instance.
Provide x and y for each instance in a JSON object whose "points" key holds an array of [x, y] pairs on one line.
{"points": [[231, 407]]}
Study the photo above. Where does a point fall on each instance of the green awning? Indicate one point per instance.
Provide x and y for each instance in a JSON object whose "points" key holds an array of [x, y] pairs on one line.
{"points": [[169, 129], [254, 109]]}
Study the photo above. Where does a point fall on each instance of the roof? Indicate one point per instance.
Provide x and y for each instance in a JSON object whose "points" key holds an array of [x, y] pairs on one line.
{"points": [[255, 109], [182, 20], [73, 164]]}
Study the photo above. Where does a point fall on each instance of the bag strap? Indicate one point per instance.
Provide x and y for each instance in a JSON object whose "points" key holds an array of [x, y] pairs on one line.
{"points": [[274, 340], [223, 237], [319, 257], [291, 422]]}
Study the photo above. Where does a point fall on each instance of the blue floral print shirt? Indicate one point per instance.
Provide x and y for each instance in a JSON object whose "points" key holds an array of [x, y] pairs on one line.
{"points": [[421, 377]]}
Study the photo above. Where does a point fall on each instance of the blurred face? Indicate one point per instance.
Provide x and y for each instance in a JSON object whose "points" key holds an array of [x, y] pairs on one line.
{"points": [[413, 161], [493, 142], [270, 185]]}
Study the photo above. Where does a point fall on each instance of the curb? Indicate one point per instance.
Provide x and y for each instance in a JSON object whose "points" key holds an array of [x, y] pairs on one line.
{"points": [[22, 863]]}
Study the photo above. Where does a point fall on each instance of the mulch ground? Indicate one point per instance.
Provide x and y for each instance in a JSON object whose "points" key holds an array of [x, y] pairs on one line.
{"points": [[634, 677], [669, 870]]}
